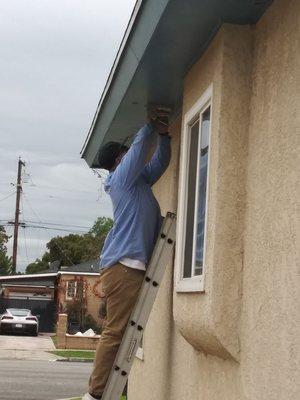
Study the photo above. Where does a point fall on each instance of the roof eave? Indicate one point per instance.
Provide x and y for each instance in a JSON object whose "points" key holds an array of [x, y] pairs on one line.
{"points": [[161, 41], [113, 71]]}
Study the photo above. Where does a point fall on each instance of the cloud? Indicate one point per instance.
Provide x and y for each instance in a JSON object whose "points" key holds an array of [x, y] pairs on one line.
{"points": [[55, 59]]}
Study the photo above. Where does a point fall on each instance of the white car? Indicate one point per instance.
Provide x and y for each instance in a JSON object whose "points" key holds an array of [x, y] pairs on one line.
{"points": [[18, 320]]}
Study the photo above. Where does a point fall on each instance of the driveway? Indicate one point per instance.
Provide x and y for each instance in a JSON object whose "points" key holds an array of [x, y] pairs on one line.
{"points": [[26, 347]]}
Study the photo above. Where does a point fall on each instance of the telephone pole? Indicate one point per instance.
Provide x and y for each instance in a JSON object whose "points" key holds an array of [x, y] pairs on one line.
{"points": [[17, 214]]}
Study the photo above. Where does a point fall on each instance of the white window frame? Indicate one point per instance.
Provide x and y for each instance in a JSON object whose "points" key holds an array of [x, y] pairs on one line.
{"points": [[194, 283], [75, 291]]}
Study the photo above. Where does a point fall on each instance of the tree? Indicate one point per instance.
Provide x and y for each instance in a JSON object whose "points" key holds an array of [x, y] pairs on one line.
{"points": [[39, 265], [74, 249], [5, 260], [102, 226]]}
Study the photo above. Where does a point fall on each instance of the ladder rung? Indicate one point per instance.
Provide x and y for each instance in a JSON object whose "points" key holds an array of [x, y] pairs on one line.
{"points": [[161, 255]]}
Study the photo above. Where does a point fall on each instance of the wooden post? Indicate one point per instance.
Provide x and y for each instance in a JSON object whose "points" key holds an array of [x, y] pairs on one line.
{"points": [[61, 330], [17, 214]]}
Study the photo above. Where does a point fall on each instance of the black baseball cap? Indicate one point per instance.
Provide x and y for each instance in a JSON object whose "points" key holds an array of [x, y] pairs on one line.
{"points": [[108, 153]]}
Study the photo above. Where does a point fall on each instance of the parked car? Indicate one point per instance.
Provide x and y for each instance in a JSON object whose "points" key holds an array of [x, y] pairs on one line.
{"points": [[18, 320]]}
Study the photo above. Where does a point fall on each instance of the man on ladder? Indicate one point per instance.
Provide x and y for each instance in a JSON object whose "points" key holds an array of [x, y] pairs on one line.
{"points": [[129, 245]]}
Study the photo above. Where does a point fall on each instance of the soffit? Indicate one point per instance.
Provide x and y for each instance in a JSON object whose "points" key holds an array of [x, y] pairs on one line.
{"points": [[163, 40]]}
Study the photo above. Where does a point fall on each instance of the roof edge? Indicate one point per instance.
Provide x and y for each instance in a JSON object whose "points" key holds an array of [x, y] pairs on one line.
{"points": [[77, 273], [27, 276], [55, 274], [112, 73]]}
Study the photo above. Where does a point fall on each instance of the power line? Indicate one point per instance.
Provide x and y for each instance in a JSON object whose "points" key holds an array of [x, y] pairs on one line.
{"points": [[55, 224], [50, 223], [55, 241], [51, 229], [9, 195], [27, 201], [24, 224]]}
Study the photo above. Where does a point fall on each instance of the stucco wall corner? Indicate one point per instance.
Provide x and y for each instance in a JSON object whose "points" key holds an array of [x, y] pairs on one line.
{"points": [[209, 321]]}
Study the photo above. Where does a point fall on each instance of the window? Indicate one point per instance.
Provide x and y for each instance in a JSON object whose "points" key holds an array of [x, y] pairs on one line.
{"points": [[71, 290], [190, 256]]}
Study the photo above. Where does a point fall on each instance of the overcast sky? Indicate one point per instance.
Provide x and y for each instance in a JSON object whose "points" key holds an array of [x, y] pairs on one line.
{"points": [[55, 58]]}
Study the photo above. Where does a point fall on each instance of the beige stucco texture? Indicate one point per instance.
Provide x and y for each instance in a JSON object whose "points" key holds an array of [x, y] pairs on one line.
{"points": [[270, 323], [209, 320], [240, 338]]}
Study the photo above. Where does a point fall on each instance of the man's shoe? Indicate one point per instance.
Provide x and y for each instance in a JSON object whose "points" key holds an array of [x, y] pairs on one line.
{"points": [[88, 396]]}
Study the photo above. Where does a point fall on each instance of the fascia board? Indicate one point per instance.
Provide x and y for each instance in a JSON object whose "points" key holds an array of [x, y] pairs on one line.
{"points": [[133, 46]]}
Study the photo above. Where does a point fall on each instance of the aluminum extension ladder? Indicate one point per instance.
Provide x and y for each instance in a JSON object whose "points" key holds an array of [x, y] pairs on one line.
{"points": [[133, 334]]}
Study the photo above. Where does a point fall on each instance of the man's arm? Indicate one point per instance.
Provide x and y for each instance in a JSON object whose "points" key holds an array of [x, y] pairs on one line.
{"points": [[159, 161], [133, 163]]}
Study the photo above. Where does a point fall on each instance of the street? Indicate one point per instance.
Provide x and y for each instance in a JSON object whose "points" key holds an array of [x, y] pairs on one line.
{"points": [[42, 380], [29, 372]]}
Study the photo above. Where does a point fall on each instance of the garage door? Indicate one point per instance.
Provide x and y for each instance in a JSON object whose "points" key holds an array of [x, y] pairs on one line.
{"points": [[45, 309]]}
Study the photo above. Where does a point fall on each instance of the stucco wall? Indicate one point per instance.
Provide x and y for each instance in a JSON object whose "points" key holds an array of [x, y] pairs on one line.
{"points": [[209, 320], [270, 324], [240, 339]]}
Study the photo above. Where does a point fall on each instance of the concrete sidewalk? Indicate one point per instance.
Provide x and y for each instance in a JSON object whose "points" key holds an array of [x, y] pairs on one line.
{"points": [[26, 348], [28, 355]]}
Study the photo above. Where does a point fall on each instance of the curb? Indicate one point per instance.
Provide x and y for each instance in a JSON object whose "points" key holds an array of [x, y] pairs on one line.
{"points": [[74, 359]]}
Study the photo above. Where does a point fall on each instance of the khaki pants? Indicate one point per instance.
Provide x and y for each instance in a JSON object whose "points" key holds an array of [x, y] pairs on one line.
{"points": [[121, 286]]}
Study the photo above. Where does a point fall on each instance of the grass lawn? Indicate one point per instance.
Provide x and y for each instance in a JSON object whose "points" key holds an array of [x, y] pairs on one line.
{"points": [[74, 353]]}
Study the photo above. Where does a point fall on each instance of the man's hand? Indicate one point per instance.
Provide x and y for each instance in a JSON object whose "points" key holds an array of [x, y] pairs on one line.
{"points": [[158, 116], [161, 127]]}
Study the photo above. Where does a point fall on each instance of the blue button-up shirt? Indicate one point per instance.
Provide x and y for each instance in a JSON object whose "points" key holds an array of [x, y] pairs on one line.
{"points": [[137, 217]]}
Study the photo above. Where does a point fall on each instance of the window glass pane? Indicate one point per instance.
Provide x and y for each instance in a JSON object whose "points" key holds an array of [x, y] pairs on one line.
{"points": [[18, 312], [202, 192], [192, 176], [71, 289]]}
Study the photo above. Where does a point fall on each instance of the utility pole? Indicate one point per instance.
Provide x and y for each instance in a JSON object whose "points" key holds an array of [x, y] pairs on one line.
{"points": [[17, 214]]}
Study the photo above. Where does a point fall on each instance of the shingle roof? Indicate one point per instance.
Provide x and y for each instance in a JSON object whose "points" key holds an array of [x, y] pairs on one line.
{"points": [[88, 266]]}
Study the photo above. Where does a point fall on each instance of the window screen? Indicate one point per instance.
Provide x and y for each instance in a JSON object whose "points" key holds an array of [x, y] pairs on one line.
{"points": [[196, 194], [71, 289]]}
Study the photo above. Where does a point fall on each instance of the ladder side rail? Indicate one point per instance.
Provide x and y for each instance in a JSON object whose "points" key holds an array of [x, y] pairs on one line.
{"points": [[140, 315], [152, 269], [133, 336], [117, 379]]}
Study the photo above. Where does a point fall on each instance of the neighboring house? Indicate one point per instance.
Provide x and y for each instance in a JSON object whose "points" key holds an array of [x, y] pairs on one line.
{"points": [[80, 284], [47, 294], [36, 292], [225, 324]]}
